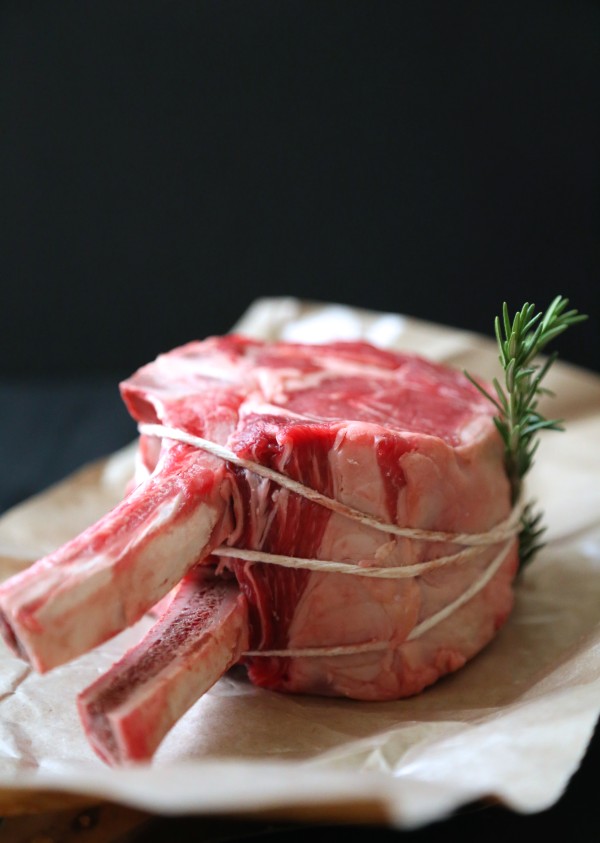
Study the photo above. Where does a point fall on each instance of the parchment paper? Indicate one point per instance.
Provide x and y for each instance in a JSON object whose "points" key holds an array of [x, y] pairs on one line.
{"points": [[512, 725]]}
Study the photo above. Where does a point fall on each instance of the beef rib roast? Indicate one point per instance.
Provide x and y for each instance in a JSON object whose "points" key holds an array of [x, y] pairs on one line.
{"points": [[337, 518]]}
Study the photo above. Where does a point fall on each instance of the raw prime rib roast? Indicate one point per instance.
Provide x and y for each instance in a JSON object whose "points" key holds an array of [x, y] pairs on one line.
{"points": [[323, 453]]}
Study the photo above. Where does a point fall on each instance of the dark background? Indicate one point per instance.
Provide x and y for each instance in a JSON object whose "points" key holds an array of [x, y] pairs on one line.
{"points": [[162, 165]]}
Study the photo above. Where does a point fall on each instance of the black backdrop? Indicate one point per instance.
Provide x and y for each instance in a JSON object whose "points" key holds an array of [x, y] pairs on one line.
{"points": [[164, 164]]}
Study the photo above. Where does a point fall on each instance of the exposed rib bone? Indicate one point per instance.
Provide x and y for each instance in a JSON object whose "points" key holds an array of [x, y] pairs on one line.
{"points": [[108, 577], [127, 712]]}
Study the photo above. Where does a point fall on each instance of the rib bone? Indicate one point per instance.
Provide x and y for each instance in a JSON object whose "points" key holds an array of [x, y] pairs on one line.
{"points": [[109, 576], [127, 711]]}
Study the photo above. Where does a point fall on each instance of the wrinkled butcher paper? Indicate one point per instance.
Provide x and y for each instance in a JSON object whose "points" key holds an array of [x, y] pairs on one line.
{"points": [[511, 726]]}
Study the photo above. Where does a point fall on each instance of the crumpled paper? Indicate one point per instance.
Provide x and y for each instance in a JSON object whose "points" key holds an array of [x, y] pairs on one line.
{"points": [[512, 725]]}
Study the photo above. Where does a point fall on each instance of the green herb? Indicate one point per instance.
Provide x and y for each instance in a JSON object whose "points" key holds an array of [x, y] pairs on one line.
{"points": [[519, 420]]}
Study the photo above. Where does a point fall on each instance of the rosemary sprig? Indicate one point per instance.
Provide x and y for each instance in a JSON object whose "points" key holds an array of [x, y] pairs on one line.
{"points": [[519, 420]]}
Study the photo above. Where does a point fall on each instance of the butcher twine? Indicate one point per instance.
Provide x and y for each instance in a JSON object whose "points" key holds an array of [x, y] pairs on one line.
{"points": [[502, 532]]}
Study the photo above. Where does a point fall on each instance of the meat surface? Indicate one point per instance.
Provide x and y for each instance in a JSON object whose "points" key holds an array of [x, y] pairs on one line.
{"points": [[379, 441]]}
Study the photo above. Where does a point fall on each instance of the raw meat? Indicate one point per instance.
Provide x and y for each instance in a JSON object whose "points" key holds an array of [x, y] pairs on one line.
{"points": [[203, 632], [403, 441]]}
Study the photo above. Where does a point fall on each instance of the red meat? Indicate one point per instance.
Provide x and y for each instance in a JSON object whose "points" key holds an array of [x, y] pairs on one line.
{"points": [[404, 441]]}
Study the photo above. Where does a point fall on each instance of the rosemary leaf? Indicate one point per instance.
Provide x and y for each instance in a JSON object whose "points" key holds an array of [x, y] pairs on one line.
{"points": [[519, 421]]}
